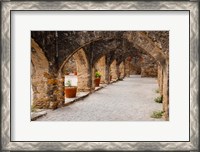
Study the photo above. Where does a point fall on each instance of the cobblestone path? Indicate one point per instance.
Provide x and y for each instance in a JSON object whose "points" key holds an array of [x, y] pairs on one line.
{"points": [[129, 100]]}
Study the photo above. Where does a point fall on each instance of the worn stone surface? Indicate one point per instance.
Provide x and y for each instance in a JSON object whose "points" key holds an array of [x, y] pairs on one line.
{"points": [[69, 67], [113, 70], [83, 74], [127, 68], [108, 104], [121, 70]]}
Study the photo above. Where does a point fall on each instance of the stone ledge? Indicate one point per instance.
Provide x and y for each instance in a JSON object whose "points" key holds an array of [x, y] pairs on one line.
{"points": [[38, 113], [79, 96], [82, 95]]}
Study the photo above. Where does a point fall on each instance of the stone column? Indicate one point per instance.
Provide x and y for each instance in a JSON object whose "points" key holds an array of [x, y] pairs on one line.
{"points": [[107, 73], [92, 87], [166, 91], [40, 88], [113, 69], [127, 68], [60, 91], [117, 71], [122, 70], [160, 79]]}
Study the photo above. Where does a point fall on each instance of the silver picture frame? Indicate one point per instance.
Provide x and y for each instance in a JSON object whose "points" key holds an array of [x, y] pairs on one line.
{"points": [[8, 6]]}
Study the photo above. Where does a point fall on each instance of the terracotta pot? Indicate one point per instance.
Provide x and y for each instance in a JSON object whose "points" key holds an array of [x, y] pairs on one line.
{"points": [[110, 77], [97, 81], [70, 92], [75, 73]]}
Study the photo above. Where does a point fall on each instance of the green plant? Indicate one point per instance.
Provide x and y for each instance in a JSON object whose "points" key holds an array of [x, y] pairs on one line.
{"points": [[157, 90], [159, 99], [68, 83], [33, 109], [157, 114], [97, 74]]}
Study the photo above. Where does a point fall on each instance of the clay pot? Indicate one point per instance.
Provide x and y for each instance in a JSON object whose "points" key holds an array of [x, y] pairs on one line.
{"points": [[70, 92], [75, 73], [97, 81]]}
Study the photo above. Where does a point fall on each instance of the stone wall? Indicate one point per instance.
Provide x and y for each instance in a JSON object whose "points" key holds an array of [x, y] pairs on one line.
{"points": [[135, 66], [69, 67], [149, 66]]}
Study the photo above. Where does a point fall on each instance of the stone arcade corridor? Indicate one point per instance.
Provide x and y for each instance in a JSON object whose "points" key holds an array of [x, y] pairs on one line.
{"points": [[129, 100], [71, 64]]}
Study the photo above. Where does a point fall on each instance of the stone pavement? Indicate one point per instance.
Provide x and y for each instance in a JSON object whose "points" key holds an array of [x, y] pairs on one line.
{"points": [[129, 100]]}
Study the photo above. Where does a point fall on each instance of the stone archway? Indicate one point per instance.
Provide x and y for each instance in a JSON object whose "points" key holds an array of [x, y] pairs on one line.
{"points": [[82, 69], [39, 67], [139, 40], [101, 67], [83, 73]]}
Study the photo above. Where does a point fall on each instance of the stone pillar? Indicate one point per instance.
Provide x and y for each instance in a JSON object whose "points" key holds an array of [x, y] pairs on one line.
{"points": [[40, 90], [92, 88], [127, 68], [166, 91], [101, 67], [160, 79], [117, 71], [39, 77], [113, 70], [122, 70], [60, 91], [107, 73]]}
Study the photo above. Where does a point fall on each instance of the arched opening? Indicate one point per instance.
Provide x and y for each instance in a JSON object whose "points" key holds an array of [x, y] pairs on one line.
{"points": [[135, 65], [100, 66], [76, 70], [149, 66], [83, 74]]}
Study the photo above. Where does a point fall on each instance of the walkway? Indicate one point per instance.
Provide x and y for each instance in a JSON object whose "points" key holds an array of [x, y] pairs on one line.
{"points": [[129, 100]]}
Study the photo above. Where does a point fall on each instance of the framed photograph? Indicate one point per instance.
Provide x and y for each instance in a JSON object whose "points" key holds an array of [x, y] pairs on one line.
{"points": [[110, 75]]}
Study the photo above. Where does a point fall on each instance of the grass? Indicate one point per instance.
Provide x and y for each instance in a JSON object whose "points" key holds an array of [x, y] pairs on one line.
{"points": [[33, 109], [159, 99], [157, 114], [157, 90]]}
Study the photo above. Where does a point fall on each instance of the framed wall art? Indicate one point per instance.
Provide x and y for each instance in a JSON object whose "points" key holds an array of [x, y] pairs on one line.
{"points": [[110, 75]]}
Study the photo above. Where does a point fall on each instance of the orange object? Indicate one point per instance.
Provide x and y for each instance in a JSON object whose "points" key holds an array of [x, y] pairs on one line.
{"points": [[97, 81], [70, 92]]}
